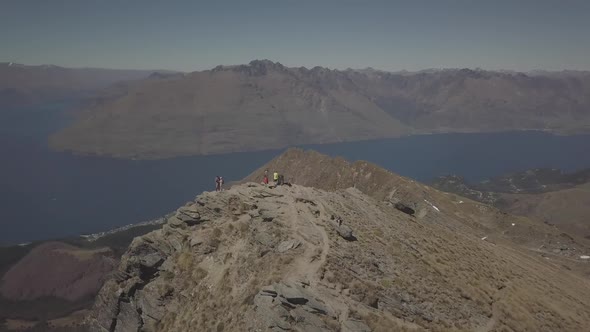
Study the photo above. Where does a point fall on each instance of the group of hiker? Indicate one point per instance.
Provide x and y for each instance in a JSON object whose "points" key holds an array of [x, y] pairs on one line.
{"points": [[218, 183], [279, 179]]}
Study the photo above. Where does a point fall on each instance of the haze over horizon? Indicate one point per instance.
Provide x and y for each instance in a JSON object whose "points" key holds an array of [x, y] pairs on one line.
{"points": [[396, 35]]}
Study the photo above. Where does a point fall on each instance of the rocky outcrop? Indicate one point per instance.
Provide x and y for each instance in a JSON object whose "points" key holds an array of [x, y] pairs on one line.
{"points": [[310, 168], [404, 208], [285, 307], [296, 258], [151, 282]]}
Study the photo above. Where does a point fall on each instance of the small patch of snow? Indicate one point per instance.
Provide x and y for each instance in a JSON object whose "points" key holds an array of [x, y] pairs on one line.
{"points": [[460, 202], [485, 237], [584, 257], [9, 64], [434, 207], [513, 224]]}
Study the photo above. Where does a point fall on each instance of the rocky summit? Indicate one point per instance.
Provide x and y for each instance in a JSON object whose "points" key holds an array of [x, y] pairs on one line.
{"points": [[345, 247]]}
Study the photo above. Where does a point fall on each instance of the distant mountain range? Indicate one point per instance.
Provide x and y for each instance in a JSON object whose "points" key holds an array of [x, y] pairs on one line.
{"points": [[27, 86], [264, 105]]}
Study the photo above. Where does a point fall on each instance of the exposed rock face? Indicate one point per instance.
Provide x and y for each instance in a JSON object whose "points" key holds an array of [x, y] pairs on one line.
{"points": [[56, 269], [230, 267], [291, 307]]}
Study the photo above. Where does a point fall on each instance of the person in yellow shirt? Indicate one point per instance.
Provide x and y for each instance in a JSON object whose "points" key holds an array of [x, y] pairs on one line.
{"points": [[275, 177]]}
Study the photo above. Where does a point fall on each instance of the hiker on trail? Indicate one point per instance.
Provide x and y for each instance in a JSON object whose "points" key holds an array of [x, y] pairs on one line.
{"points": [[265, 179], [275, 177], [221, 182], [281, 179], [218, 183]]}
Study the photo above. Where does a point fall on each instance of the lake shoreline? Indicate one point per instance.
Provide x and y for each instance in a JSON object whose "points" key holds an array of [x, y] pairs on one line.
{"points": [[49, 194]]}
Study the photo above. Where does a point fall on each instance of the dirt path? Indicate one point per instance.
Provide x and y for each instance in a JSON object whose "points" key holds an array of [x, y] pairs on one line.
{"points": [[312, 236]]}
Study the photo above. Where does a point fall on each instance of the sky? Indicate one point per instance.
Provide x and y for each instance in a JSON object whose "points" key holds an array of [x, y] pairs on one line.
{"points": [[391, 35]]}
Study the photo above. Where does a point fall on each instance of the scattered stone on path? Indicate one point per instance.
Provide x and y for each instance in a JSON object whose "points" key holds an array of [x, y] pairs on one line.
{"points": [[288, 245], [304, 200], [344, 231]]}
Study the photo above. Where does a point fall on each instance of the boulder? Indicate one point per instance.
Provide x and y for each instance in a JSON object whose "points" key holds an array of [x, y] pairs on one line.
{"points": [[404, 208], [152, 260], [346, 232], [189, 215], [175, 222], [292, 293]]}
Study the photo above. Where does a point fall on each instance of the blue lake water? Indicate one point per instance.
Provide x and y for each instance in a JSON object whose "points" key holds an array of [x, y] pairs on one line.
{"points": [[46, 194]]}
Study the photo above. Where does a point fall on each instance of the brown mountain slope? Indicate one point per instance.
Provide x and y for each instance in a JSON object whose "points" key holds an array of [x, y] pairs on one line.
{"points": [[568, 209], [22, 85], [468, 100], [254, 258], [265, 105], [548, 195], [56, 269], [310, 168], [259, 106]]}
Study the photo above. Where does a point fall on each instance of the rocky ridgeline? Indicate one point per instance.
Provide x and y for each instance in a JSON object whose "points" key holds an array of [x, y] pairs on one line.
{"points": [[145, 288], [297, 258]]}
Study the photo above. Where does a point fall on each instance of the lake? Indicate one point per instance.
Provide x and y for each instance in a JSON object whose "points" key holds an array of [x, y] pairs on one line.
{"points": [[46, 194]]}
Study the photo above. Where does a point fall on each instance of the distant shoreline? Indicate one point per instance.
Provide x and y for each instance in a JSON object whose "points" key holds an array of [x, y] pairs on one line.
{"points": [[151, 157], [93, 236]]}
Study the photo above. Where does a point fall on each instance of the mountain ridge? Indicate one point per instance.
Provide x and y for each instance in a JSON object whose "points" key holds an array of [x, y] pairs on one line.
{"points": [[265, 105], [35, 85], [302, 258]]}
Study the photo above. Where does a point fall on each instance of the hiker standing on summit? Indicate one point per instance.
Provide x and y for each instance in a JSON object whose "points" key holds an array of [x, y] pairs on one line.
{"points": [[217, 183], [275, 177]]}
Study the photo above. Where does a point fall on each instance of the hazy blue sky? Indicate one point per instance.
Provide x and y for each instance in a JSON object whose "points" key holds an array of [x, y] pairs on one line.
{"points": [[389, 35]]}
